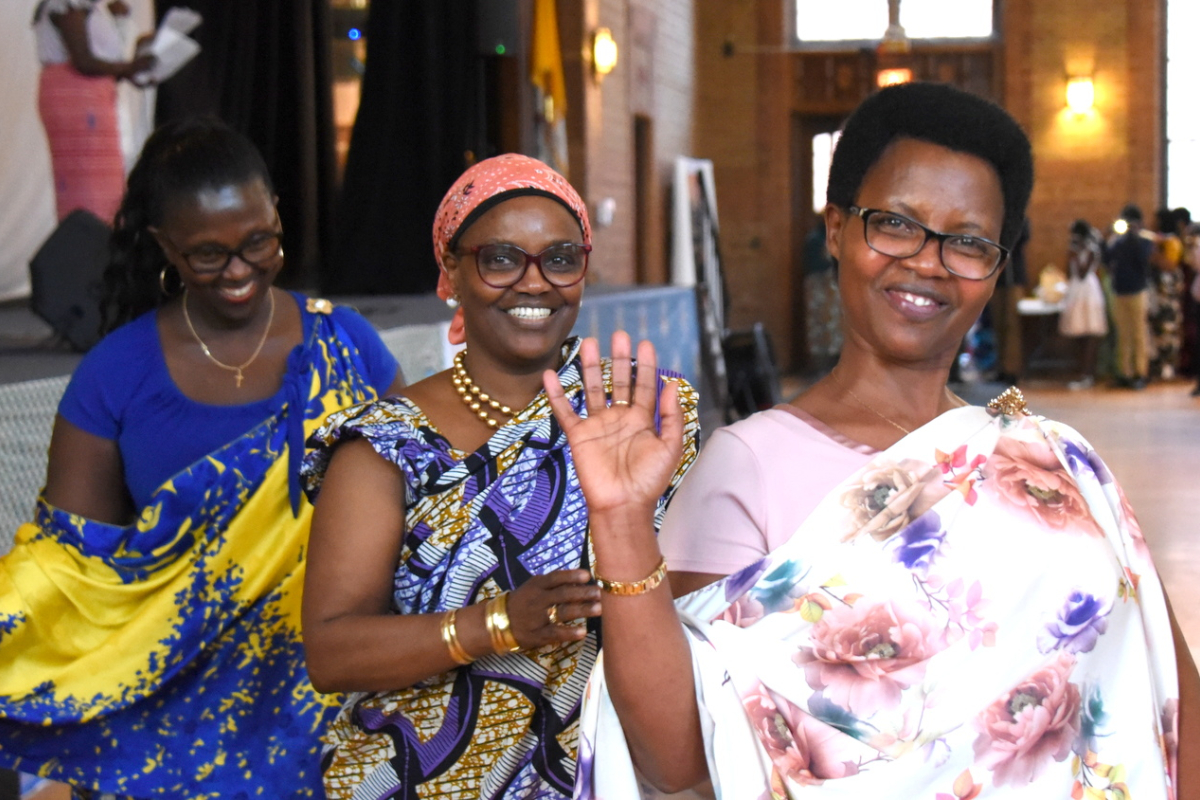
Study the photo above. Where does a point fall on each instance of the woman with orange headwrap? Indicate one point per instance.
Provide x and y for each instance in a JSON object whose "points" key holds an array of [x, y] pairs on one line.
{"points": [[448, 576]]}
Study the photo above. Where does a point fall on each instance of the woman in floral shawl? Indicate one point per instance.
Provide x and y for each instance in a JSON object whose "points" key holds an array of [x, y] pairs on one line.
{"points": [[448, 582], [892, 594]]}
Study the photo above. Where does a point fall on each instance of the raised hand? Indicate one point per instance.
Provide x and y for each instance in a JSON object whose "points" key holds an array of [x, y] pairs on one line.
{"points": [[621, 460]]}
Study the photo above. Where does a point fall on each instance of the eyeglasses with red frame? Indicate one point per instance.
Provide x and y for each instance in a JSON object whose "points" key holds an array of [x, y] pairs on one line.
{"points": [[503, 265]]}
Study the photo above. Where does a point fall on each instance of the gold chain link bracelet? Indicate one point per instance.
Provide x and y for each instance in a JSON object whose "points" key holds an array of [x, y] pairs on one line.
{"points": [[627, 589]]}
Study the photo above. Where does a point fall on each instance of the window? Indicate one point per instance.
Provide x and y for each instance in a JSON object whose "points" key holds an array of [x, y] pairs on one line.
{"points": [[822, 156], [939, 19], [822, 22], [1183, 108]]}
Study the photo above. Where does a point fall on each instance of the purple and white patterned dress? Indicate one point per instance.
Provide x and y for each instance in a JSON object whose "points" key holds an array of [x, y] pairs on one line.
{"points": [[476, 524]]}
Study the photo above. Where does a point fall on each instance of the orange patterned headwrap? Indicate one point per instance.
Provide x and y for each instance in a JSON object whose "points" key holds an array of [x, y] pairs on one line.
{"points": [[483, 186]]}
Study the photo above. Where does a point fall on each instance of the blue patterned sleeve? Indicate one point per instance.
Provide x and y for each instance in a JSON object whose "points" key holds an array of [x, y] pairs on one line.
{"points": [[386, 424]]}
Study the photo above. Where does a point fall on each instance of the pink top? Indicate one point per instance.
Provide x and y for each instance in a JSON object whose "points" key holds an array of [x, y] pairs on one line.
{"points": [[753, 484]]}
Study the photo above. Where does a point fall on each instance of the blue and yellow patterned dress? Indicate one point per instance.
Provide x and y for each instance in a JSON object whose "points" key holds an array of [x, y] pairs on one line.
{"points": [[163, 659]]}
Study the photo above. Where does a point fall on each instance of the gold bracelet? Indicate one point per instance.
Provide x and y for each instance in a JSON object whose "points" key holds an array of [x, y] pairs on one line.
{"points": [[450, 637], [647, 584], [499, 626]]}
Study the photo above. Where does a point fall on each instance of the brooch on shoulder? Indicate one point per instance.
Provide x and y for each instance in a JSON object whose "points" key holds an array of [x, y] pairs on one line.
{"points": [[319, 305], [1010, 403]]}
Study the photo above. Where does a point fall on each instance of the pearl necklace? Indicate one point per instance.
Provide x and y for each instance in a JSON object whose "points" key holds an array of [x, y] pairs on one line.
{"points": [[473, 397]]}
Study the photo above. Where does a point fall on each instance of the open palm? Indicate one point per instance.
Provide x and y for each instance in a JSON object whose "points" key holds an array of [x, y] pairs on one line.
{"points": [[619, 456]]}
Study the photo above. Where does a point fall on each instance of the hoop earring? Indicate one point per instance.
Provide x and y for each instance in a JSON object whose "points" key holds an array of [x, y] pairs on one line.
{"points": [[162, 281]]}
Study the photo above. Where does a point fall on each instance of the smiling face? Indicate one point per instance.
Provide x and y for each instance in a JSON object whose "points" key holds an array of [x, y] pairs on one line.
{"points": [[214, 220], [524, 325], [911, 310]]}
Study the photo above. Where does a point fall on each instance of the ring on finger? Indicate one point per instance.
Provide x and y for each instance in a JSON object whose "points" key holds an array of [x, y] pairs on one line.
{"points": [[620, 402], [552, 615]]}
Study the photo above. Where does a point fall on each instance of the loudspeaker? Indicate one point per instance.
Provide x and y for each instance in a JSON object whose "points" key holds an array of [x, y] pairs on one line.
{"points": [[750, 365], [67, 278]]}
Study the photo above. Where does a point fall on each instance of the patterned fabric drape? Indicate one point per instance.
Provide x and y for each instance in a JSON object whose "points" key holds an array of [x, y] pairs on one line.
{"points": [[975, 610], [477, 525], [164, 659]]}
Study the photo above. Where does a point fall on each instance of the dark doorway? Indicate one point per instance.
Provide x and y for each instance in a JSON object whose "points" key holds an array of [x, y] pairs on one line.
{"points": [[643, 214], [811, 137]]}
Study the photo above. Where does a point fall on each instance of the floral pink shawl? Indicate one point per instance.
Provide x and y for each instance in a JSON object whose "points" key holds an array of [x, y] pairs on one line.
{"points": [[974, 612]]}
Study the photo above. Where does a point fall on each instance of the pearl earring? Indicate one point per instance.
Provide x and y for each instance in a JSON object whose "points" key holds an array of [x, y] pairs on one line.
{"points": [[452, 302]]}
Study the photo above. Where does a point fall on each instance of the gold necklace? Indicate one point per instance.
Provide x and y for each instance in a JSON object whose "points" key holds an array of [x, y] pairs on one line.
{"points": [[472, 396], [833, 374], [204, 348]]}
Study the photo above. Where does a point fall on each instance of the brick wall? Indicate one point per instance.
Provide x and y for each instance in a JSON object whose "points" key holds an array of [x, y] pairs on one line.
{"points": [[1087, 166], [714, 81], [654, 78], [742, 124]]}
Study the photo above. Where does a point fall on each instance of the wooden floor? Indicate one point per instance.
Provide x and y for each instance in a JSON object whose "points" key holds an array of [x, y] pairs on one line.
{"points": [[1151, 441]]}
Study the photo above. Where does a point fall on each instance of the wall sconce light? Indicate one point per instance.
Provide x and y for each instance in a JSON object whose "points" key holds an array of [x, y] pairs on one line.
{"points": [[891, 77], [1081, 94], [604, 53]]}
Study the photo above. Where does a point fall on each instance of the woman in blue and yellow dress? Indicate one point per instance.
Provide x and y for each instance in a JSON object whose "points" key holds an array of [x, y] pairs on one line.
{"points": [[149, 614]]}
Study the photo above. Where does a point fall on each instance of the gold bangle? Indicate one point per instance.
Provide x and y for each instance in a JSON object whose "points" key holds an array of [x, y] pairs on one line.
{"points": [[450, 637], [499, 626], [647, 584], [494, 632]]}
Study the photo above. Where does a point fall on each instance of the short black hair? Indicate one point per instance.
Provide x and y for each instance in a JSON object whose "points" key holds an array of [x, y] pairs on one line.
{"points": [[1164, 220], [1131, 213], [941, 115]]}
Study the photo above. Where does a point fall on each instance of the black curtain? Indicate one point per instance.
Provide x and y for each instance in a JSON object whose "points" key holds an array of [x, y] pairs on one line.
{"points": [[265, 69], [420, 121]]}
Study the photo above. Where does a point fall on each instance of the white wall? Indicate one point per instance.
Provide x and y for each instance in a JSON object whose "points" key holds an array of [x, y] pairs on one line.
{"points": [[27, 213]]}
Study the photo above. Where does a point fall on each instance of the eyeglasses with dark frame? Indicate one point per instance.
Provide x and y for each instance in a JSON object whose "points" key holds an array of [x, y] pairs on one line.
{"points": [[895, 235], [260, 251], [503, 265]]}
